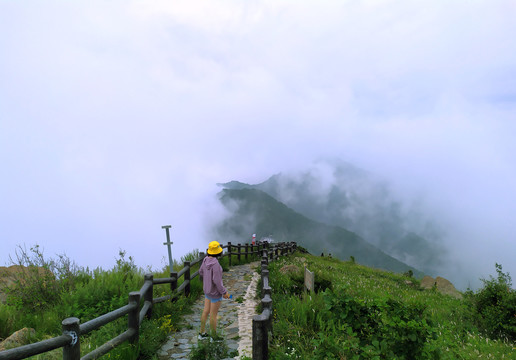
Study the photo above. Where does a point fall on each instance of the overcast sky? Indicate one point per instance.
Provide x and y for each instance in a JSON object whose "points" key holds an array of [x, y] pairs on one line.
{"points": [[118, 117]]}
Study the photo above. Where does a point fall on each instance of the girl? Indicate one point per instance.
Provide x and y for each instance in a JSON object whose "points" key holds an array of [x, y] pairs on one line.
{"points": [[211, 277]]}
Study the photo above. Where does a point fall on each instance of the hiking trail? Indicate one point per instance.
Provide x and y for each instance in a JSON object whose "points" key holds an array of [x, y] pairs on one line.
{"points": [[234, 319]]}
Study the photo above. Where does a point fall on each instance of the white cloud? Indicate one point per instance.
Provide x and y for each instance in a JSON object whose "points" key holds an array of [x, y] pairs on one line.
{"points": [[116, 113]]}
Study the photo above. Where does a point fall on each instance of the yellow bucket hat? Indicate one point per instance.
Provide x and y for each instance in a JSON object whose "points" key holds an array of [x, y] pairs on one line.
{"points": [[214, 248]]}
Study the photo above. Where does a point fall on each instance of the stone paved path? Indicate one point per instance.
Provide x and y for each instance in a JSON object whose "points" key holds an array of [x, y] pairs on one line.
{"points": [[234, 320]]}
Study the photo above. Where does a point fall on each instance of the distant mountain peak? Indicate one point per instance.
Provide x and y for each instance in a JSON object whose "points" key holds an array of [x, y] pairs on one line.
{"points": [[235, 185]]}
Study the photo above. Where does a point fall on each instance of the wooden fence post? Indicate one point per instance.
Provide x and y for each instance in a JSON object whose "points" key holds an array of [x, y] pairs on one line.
{"points": [[173, 284], [265, 259], [187, 278], [229, 252], [148, 296], [260, 339], [134, 316], [265, 275], [239, 252], [72, 351], [267, 304], [246, 251]]}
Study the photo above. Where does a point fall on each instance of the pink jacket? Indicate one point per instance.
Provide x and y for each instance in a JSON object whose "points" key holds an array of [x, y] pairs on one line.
{"points": [[211, 275]]}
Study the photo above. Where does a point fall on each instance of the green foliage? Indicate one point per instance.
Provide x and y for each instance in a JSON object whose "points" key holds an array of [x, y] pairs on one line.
{"points": [[38, 279], [409, 273], [385, 327], [495, 305], [191, 256], [302, 249], [103, 291], [6, 320], [224, 262], [211, 350], [370, 314]]}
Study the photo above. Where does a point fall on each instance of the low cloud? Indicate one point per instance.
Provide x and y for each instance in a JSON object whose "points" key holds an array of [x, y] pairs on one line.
{"points": [[117, 118]]}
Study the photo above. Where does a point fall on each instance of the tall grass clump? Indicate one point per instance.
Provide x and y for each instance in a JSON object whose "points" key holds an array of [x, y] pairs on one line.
{"points": [[103, 291], [39, 279]]}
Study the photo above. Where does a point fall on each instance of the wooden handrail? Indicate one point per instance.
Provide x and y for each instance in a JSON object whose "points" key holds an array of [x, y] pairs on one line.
{"points": [[25, 351], [110, 345], [102, 320], [164, 280], [262, 323], [182, 271]]}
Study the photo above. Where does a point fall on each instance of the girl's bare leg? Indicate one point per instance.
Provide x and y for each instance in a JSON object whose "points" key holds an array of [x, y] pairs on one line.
{"points": [[214, 309], [204, 316]]}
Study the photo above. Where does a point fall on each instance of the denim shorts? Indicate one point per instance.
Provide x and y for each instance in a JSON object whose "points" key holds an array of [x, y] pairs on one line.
{"points": [[213, 300]]}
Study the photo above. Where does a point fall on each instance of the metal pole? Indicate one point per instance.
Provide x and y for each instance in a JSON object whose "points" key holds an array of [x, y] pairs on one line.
{"points": [[168, 243]]}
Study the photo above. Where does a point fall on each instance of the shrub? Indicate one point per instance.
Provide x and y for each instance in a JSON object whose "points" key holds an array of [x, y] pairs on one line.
{"points": [[6, 320], [103, 291], [40, 281], [495, 305], [408, 273]]}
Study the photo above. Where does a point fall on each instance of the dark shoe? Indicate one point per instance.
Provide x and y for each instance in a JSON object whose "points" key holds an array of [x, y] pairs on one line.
{"points": [[204, 336]]}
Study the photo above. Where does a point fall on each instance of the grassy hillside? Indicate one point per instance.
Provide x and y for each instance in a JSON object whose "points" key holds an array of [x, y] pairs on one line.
{"points": [[254, 211], [358, 312]]}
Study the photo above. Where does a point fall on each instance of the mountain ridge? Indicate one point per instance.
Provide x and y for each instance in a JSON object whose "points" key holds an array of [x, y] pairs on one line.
{"points": [[340, 194], [254, 211]]}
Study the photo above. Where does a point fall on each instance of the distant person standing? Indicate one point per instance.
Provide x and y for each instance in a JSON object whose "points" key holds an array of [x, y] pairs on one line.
{"points": [[211, 276]]}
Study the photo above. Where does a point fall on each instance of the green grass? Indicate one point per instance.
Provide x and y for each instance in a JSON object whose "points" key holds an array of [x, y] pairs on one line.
{"points": [[363, 313], [216, 350]]}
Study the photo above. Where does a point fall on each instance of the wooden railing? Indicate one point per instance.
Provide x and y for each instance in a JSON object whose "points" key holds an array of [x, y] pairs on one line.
{"points": [[262, 323], [72, 329]]}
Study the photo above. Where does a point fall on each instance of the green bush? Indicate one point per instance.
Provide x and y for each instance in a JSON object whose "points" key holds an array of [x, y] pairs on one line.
{"points": [[335, 322], [6, 320], [103, 291], [385, 327], [495, 305], [39, 281]]}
